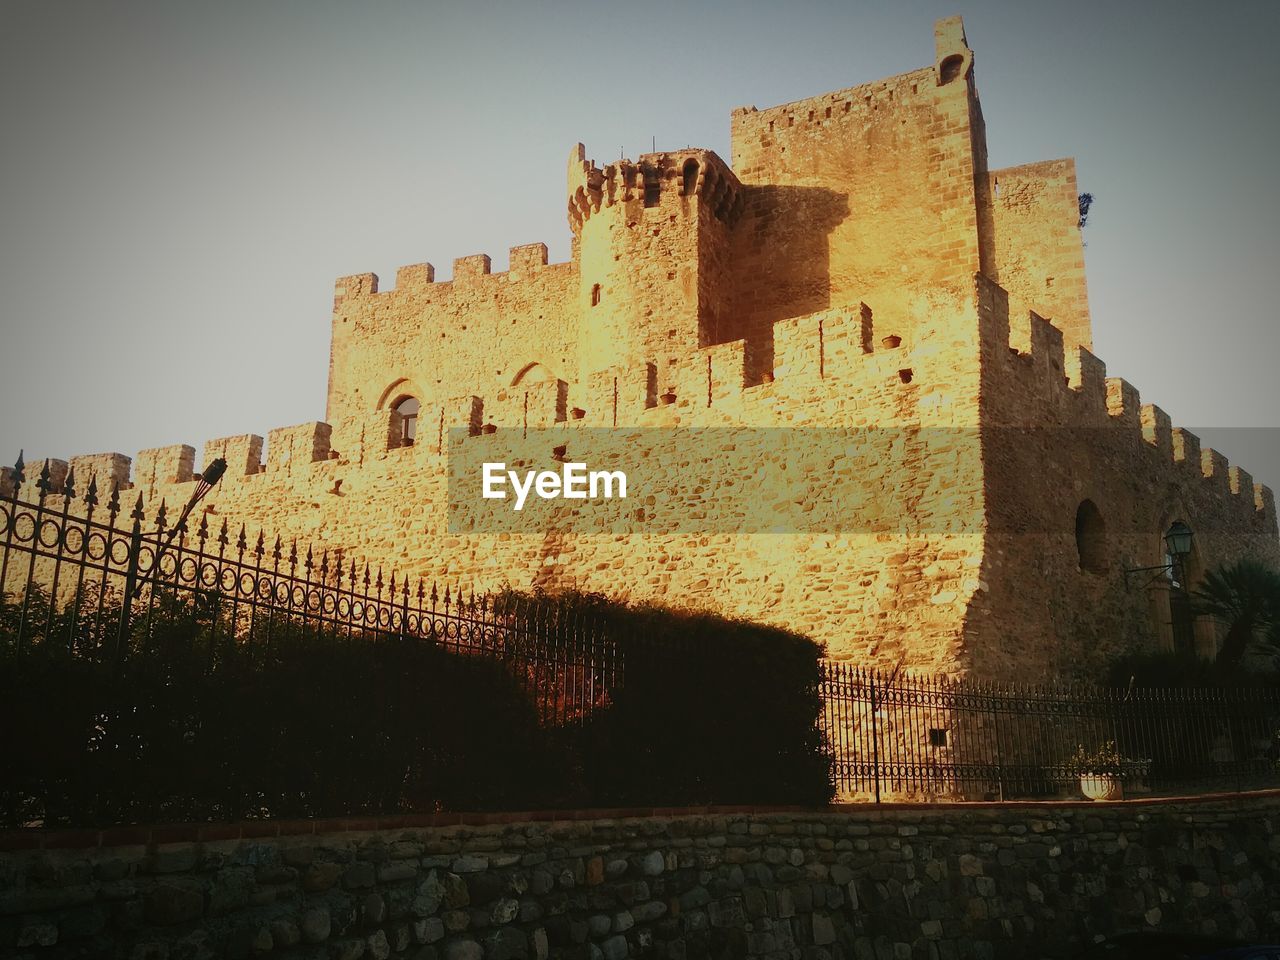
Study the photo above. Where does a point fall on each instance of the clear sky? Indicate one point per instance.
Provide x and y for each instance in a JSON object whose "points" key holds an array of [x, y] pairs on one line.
{"points": [[181, 182]]}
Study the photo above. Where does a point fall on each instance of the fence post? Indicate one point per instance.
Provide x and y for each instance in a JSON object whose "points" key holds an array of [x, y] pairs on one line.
{"points": [[995, 728], [875, 738], [130, 584], [1237, 761]]}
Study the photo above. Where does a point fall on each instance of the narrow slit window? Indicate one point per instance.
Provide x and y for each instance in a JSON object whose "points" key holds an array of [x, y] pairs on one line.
{"points": [[652, 190]]}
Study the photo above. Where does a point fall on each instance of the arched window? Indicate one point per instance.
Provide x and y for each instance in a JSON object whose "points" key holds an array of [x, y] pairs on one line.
{"points": [[595, 295], [950, 68], [1091, 537], [690, 176], [408, 408]]}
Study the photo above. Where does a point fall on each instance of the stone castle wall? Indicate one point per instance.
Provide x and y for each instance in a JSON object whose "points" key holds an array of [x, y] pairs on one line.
{"points": [[1038, 256], [1021, 882], [963, 556], [864, 590], [1059, 432]]}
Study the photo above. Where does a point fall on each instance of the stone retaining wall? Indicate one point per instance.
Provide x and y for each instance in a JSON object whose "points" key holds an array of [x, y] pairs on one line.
{"points": [[862, 883]]}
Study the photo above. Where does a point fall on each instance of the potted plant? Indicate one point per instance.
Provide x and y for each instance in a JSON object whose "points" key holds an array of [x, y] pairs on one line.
{"points": [[1100, 770]]}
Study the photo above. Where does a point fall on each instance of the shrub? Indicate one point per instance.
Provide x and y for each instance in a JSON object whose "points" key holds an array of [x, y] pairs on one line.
{"points": [[319, 726], [713, 710], [193, 726]]}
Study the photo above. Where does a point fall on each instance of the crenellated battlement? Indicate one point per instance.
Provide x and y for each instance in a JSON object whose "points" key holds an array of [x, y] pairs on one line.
{"points": [[646, 181], [526, 261], [1063, 386], [852, 103]]}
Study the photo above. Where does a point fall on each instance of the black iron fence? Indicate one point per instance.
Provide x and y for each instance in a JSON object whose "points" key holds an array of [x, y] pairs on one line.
{"points": [[902, 737], [82, 568]]}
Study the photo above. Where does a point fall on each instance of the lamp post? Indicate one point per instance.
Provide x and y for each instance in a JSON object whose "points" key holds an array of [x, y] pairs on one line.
{"points": [[208, 480], [1178, 542]]}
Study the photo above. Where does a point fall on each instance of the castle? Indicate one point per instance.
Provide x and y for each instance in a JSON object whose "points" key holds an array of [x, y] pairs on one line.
{"points": [[857, 266]]}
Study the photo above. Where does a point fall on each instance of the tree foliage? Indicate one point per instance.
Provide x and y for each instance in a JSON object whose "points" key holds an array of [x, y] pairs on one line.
{"points": [[1245, 597]]}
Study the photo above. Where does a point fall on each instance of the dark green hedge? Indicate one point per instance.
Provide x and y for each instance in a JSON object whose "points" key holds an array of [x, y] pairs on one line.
{"points": [[320, 725], [714, 710], [317, 726]]}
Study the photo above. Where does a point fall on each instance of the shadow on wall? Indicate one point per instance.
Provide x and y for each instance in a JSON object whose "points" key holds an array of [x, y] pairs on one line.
{"points": [[782, 264]]}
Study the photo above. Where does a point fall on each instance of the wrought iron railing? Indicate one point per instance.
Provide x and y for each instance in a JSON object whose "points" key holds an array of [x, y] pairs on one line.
{"points": [[898, 736], [84, 570]]}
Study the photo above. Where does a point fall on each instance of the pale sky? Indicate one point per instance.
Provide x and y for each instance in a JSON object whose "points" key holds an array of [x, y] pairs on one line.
{"points": [[181, 182]]}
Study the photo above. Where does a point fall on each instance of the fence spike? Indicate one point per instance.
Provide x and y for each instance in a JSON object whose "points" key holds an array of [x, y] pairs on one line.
{"points": [[42, 482], [242, 544], [91, 495], [19, 471], [275, 551], [160, 515], [68, 485], [222, 534], [202, 532], [113, 503], [293, 554], [309, 563], [435, 595], [138, 513]]}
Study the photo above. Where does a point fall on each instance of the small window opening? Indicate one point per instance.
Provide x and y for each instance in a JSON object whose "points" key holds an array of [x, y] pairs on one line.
{"points": [[937, 737], [905, 375], [690, 176], [1091, 538], [652, 190], [950, 68], [408, 408], [595, 295]]}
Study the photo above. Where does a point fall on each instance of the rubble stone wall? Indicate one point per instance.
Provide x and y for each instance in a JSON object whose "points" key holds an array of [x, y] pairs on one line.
{"points": [[1020, 882]]}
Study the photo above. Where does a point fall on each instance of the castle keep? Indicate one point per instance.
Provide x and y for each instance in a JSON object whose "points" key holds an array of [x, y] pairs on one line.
{"points": [[856, 265]]}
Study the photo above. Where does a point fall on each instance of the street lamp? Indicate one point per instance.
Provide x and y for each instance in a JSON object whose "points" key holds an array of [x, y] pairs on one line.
{"points": [[208, 480], [1178, 541]]}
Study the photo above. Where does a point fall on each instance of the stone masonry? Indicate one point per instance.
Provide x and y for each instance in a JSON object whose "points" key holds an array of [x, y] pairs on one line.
{"points": [[1020, 882], [858, 265]]}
